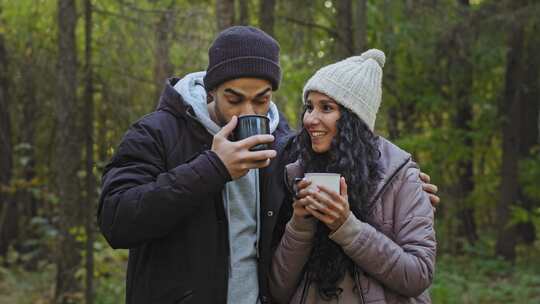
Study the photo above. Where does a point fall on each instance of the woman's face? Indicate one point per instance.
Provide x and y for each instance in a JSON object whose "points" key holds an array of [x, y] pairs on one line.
{"points": [[320, 120]]}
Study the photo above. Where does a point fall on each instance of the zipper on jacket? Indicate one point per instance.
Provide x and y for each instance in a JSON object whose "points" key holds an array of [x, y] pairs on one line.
{"points": [[383, 188]]}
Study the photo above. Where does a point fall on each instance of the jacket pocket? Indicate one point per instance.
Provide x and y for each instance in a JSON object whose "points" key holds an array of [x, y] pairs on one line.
{"points": [[167, 292], [167, 282], [185, 298], [375, 291]]}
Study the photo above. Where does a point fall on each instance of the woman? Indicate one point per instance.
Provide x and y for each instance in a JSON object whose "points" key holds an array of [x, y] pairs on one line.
{"points": [[373, 242]]}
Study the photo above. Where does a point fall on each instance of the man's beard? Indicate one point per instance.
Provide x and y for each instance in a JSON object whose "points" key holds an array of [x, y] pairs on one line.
{"points": [[221, 120]]}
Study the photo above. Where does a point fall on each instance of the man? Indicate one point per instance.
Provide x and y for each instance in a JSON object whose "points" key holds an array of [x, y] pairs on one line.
{"points": [[195, 209], [183, 198]]}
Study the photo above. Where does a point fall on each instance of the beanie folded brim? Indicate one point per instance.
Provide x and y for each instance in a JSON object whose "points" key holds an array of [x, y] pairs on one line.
{"points": [[343, 96], [241, 67]]}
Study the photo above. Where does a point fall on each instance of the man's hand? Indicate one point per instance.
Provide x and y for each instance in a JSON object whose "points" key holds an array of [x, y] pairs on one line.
{"points": [[431, 189], [236, 155]]}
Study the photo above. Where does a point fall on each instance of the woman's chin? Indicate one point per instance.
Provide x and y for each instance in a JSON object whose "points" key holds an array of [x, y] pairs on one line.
{"points": [[319, 149]]}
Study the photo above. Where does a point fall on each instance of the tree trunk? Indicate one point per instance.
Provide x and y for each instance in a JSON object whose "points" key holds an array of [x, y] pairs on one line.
{"points": [[510, 110], [102, 127], [8, 225], [465, 186], [530, 94], [5, 121], [462, 69], [90, 178], [360, 25], [28, 130], [267, 16], [392, 122], [344, 27], [27, 203], [163, 67], [67, 157], [244, 12], [224, 14]]}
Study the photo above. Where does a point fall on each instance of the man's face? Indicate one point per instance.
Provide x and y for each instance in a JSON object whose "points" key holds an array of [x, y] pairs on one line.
{"points": [[242, 96]]}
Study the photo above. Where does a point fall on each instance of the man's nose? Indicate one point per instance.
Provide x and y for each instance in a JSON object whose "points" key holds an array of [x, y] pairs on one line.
{"points": [[247, 109]]}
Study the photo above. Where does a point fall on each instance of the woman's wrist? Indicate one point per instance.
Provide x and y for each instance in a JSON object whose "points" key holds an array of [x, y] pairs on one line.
{"points": [[303, 223]]}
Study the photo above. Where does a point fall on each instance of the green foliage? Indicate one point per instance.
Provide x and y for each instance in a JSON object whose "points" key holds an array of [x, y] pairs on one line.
{"points": [[109, 271], [471, 280], [21, 287], [530, 174], [422, 87]]}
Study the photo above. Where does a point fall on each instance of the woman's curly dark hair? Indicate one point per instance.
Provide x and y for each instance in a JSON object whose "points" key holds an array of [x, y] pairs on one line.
{"points": [[354, 154]]}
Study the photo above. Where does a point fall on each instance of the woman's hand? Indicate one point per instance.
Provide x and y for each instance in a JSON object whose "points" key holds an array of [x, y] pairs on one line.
{"points": [[328, 206], [300, 202]]}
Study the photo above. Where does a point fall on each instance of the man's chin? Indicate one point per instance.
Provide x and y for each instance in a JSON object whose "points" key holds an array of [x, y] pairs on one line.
{"points": [[222, 122]]}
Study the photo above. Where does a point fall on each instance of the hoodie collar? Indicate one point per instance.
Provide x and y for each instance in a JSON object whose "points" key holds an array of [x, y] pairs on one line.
{"points": [[191, 89]]}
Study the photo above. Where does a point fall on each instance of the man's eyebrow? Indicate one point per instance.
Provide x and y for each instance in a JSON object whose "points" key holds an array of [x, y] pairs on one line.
{"points": [[238, 94], [263, 92]]}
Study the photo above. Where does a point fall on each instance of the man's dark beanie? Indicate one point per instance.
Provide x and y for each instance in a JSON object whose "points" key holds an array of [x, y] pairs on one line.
{"points": [[242, 51]]}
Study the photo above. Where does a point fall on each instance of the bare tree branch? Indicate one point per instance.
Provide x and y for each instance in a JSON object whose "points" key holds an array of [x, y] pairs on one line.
{"points": [[123, 17], [327, 29]]}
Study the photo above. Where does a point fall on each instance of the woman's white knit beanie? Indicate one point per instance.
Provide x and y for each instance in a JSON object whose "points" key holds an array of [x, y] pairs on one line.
{"points": [[355, 83]]}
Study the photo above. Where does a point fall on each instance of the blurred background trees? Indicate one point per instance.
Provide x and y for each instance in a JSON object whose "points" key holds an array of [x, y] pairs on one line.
{"points": [[461, 92]]}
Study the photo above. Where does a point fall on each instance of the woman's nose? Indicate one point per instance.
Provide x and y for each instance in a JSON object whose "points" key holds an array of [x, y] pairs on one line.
{"points": [[311, 118]]}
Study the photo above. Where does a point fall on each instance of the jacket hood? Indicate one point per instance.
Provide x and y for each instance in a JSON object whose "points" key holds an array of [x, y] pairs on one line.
{"points": [[171, 101], [392, 159], [192, 90], [188, 94]]}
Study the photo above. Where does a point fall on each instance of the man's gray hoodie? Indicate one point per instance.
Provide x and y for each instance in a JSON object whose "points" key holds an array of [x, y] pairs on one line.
{"points": [[241, 199]]}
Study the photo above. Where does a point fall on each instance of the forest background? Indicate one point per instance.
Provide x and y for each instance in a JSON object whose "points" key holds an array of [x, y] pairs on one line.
{"points": [[461, 92]]}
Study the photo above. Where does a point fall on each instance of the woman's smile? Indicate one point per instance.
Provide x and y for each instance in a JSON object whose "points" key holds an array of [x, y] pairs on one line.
{"points": [[320, 121]]}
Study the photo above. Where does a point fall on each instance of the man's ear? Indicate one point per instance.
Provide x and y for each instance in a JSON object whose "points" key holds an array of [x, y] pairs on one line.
{"points": [[210, 96]]}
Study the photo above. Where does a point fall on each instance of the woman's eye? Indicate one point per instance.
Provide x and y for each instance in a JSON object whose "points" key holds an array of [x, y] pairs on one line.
{"points": [[309, 108], [327, 108]]}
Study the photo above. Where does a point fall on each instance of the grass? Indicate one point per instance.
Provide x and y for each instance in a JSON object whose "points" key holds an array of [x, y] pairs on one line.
{"points": [[18, 286], [21, 287], [479, 280], [472, 278]]}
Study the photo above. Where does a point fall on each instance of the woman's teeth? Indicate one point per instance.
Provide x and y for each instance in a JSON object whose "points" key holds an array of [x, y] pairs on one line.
{"points": [[317, 134]]}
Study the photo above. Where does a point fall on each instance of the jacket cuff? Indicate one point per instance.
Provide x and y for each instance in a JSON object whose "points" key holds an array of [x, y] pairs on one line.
{"points": [[303, 224], [219, 165], [348, 231], [302, 230], [203, 175]]}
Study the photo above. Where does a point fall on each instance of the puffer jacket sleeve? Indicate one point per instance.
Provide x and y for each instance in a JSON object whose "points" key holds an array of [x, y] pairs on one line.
{"points": [[406, 262], [140, 199], [290, 258]]}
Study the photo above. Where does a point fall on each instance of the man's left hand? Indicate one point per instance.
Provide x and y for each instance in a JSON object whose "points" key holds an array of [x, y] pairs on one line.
{"points": [[431, 189]]}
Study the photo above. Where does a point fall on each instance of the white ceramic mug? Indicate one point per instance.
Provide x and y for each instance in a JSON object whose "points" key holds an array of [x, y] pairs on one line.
{"points": [[329, 180]]}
